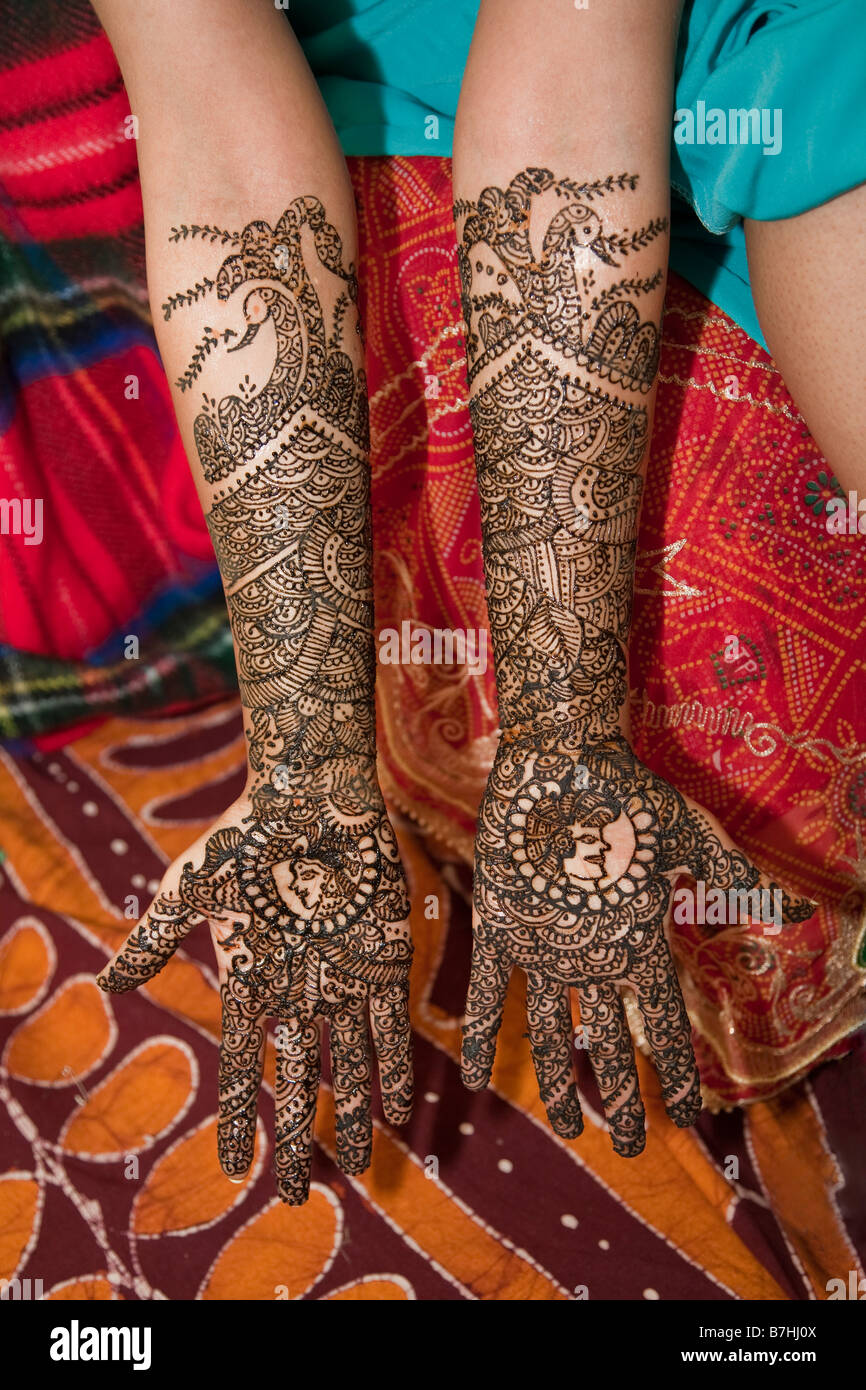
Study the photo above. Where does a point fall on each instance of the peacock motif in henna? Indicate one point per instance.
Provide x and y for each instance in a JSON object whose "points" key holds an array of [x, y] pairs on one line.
{"points": [[578, 844], [305, 889]]}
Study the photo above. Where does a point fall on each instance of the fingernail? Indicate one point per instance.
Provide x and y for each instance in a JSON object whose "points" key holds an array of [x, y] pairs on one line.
{"points": [[243, 1179]]}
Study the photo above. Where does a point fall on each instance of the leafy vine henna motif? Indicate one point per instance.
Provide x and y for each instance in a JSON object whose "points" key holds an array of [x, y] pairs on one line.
{"points": [[302, 882], [578, 844]]}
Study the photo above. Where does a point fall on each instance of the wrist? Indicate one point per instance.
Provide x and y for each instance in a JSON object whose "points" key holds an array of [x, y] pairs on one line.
{"points": [[270, 784], [592, 717]]}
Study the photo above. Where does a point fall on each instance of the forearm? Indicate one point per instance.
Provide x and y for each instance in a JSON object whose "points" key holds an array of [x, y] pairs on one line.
{"points": [[561, 186], [251, 243], [561, 191]]}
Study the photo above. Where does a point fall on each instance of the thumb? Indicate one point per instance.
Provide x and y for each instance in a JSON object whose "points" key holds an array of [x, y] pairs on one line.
{"points": [[715, 860], [152, 941], [175, 910]]}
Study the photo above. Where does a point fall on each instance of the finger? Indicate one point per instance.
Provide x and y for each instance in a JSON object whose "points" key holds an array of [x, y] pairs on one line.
{"points": [[149, 945], [608, 1041], [392, 1035], [298, 1063], [242, 1051], [485, 1000], [350, 1067], [669, 1034], [747, 894], [548, 1012]]}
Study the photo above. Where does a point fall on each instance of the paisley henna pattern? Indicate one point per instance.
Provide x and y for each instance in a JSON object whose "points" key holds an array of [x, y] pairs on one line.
{"points": [[307, 887], [577, 842]]}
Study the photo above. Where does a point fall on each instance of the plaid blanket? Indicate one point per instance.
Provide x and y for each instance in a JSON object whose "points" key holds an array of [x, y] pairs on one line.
{"points": [[87, 431]]}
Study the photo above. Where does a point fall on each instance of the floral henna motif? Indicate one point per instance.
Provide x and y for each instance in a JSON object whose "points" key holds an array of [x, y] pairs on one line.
{"points": [[578, 844], [307, 887]]}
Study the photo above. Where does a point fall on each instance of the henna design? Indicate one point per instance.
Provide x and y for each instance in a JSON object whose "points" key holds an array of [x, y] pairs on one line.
{"points": [[307, 885], [185, 297], [577, 842], [560, 424], [211, 234]]}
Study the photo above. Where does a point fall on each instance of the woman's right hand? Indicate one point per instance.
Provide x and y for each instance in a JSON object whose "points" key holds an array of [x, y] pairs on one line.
{"points": [[309, 917]]}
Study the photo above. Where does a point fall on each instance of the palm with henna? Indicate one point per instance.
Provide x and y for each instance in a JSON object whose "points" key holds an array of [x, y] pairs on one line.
{"points": [[308, 910], [578, 844], [577, 850]]}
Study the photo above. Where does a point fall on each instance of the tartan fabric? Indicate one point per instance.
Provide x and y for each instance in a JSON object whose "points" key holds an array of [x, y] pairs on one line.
{"points": [[86, 422], [190, 661]]}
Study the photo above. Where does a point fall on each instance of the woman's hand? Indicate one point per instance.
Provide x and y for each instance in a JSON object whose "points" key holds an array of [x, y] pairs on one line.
{"points": [[576, 854], [308, 911]]}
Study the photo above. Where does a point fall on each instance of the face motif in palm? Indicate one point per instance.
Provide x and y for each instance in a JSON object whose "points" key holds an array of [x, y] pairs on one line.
{"points": [[576, 845], [589, 860], [302, 884]]}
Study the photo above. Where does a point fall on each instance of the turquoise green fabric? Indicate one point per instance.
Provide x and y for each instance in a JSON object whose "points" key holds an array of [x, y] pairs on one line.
{"points": [[804, 63], [716, 264], [385, 66], [390, 74]]}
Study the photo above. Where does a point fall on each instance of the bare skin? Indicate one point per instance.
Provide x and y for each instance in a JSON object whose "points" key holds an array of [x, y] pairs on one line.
{"points": [[808, 277]]}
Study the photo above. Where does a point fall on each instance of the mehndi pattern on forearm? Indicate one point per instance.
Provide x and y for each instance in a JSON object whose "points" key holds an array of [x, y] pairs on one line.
{"points": [[290, 510], [560, 368]]}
